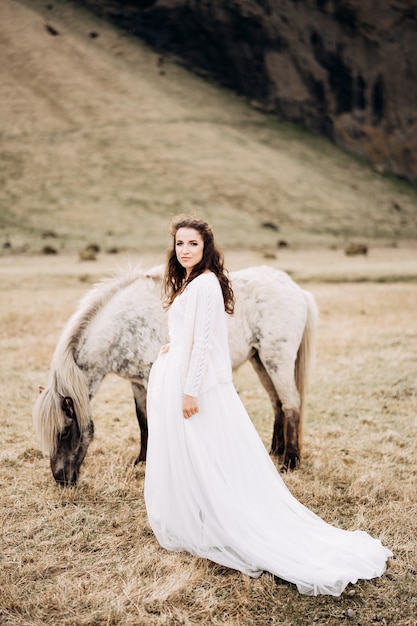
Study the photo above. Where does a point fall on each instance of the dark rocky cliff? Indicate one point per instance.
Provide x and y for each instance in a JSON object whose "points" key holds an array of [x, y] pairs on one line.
{"points": [[346, 69]]}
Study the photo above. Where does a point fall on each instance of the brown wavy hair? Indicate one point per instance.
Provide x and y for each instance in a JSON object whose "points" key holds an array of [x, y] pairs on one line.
{"points": [[175, 280]]}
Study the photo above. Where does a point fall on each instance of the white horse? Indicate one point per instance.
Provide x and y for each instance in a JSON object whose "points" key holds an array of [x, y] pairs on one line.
{"points": [[120, 326]]}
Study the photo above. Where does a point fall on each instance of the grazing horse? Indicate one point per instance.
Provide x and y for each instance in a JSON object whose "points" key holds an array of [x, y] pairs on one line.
{"points": [[119, 327]]}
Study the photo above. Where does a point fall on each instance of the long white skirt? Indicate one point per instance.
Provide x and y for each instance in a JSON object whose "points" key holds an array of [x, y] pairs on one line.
{"points": [[212, 490]]}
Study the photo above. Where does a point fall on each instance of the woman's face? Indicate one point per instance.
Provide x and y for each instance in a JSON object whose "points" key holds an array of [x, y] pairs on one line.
{"points": [[189, 246]]}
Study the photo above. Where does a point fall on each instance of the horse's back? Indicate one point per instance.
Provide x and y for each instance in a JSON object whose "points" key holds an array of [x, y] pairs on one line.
{"points": [[264, 282], [268, 296], [127, 331]]}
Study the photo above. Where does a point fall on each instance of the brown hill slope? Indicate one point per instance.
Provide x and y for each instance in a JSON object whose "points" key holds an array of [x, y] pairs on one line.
{"points": [[99, 142], [344, 69]]}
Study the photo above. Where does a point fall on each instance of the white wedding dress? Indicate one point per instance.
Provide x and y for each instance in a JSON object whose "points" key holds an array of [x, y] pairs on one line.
{"points": [[211, 488]]}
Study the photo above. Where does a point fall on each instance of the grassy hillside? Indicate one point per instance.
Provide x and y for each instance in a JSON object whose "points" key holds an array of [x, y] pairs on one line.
{"points": [[102, 141]]}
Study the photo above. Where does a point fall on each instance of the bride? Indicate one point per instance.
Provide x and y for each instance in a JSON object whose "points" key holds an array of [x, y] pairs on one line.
{"points": [[210, 486]]}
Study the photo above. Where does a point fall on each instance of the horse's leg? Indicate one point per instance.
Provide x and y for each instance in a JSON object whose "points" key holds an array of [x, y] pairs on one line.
{"points": [[288, 425], [278, 441], [139, 394], [292, 453], [289, 395]]}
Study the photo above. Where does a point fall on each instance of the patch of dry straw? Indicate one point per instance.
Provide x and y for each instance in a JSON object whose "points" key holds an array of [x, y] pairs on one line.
{"points": [[86, 556]]}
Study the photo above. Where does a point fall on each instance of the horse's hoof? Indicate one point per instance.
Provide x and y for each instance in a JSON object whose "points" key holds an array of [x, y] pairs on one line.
{"points": [[66, 484], [290, 464]]}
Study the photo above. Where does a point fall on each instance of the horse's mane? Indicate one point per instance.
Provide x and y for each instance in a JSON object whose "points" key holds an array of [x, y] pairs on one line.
{"points": [[93, 301], [66, 379]]}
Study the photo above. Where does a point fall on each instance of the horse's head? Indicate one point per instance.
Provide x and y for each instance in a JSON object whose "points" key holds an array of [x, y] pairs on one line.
{"points": [[65, 430], [71, 446]]}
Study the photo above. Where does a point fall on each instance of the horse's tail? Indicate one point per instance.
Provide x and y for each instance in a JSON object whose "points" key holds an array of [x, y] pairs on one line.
{"points": [[66, 378], [306, 353]]}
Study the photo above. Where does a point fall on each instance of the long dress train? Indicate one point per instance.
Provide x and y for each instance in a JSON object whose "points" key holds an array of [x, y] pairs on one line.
{"points": [[211, 488]]}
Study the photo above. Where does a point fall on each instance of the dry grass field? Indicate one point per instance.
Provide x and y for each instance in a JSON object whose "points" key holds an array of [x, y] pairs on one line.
{"points": [[86, 555], [100, 146]]}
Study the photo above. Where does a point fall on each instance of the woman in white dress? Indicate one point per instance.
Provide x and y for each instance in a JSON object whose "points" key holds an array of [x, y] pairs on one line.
{"points": [[211, 488]]}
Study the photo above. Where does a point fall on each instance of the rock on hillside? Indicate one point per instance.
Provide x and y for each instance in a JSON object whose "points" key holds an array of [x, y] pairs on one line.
{"points": [[346, 69]]}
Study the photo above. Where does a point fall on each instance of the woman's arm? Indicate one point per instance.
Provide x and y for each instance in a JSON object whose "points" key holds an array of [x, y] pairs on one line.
{"points": [[199, 324]]}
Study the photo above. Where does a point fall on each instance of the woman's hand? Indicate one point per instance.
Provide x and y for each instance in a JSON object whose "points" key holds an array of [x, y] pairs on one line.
{"points": [[189, 406], [165, 348]]}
